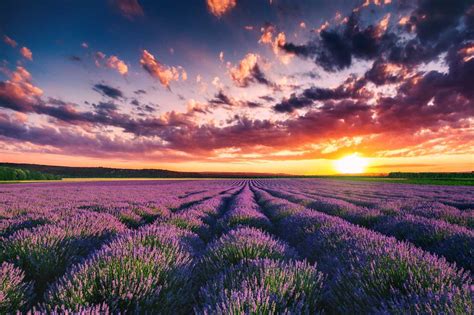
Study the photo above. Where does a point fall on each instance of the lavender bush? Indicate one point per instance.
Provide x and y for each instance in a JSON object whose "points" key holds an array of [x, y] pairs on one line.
{"points": [[102, 309], [455, 243], [45, 252], [263, 287], [135, 279], [367, 270], [240, 244], [15, 293]]}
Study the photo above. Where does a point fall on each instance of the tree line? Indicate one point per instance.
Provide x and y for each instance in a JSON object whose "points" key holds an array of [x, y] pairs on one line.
{"points": [[431, 175], [9, 173]]}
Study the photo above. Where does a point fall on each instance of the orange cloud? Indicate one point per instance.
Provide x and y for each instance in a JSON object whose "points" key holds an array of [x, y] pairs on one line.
{"points": [[383, 25], [220, 7], [160, 71], [276, 43], [184, 75], [113, 62], [467, 52], [26, 53], [267, 34], [243, 72], [376, 2], [323, 26]]}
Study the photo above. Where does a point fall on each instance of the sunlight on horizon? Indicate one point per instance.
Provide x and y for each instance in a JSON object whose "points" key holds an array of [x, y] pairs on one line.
{"points": [[351, 164]]}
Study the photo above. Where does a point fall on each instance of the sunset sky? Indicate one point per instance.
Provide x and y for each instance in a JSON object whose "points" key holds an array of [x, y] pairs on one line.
{"points": [[281, 86]]}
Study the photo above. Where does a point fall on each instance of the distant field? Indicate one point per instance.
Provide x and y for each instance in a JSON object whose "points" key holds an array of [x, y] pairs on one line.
{"points": [[72, 180], [204, 247], [418, 181]]}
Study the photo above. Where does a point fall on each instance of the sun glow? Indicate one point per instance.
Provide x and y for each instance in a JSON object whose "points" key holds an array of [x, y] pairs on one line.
{"points": [[351, 164]]}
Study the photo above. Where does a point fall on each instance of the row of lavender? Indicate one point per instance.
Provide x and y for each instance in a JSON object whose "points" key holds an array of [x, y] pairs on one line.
{"points": [[149, 269], [376, 193], [428, 230], [366, 271], [46, 229], [216, 247]]}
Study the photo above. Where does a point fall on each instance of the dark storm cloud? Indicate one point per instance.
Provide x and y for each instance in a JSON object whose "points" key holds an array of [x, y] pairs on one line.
{"points": [[143, 108], [335, 49], [351, 88], [140, 91], [292, 103], [436, 26], [105, 107], [75, 58], [267, 98], [434, 99], [469, 19], [108, 91], [251, 104], [221, 99], [383, 72], [259, 76], [149, 108], [433, 18], [335, 53]]}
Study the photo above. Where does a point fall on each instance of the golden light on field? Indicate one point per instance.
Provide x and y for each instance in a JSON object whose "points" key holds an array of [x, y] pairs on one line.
{"points": [[351, 164]]}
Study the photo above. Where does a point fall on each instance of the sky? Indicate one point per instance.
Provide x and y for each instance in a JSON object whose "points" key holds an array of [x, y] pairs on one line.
{"points": [[281, 86]]}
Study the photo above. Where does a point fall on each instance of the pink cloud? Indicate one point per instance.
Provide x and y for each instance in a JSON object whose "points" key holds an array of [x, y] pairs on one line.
{"points": [[26, 53], [9, 41], [18, 92]]}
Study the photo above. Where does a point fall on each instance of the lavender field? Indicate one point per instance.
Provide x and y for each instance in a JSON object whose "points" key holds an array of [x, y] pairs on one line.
{"points": [[276, 246]]}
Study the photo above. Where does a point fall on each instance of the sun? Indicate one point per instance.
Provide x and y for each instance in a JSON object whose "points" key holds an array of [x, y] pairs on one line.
{"points": [[351, 164]]}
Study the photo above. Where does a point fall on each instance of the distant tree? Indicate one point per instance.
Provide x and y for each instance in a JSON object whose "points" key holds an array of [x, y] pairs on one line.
{"points": [[20, 174]]}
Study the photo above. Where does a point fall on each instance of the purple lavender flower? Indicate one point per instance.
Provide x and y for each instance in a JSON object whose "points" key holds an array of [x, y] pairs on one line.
{"points": [[46, 251], [167, 238], [454, 242], [15, 293], [242, 211], [263, 286], [133, 279], [240, 244], [102, 309]]}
